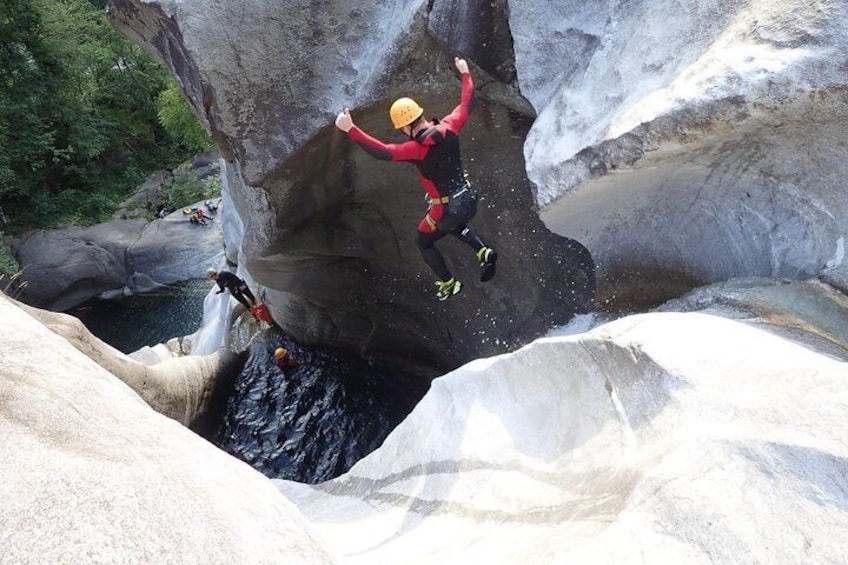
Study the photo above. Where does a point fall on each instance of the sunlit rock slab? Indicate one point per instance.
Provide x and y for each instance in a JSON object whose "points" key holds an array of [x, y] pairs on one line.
{"points": [[688, 144], [665, 437], [90, 474]]}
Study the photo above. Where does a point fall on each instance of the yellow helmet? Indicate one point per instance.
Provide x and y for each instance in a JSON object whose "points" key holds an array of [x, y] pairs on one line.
{"points": [[405, 111], [280, 352]]}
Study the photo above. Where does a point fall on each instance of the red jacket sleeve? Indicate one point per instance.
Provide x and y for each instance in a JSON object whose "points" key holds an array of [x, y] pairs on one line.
{"points": [[409, 151], [456, 119]]}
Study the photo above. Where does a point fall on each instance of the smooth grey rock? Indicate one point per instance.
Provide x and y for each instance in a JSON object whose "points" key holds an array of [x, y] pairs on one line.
{"points": [[188, 389], [90, 474], [65, 267], [686, 145], [173, 249], [810, 312], [658, 438], [68, 266]]}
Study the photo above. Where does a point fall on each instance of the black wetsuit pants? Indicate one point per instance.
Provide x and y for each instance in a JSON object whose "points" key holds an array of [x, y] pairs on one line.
{"points": [[240, 294], [453, 222]]}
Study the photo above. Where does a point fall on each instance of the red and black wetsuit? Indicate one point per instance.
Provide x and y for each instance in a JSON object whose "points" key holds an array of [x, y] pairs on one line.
{"points": [[435, 152], [286, 362]]}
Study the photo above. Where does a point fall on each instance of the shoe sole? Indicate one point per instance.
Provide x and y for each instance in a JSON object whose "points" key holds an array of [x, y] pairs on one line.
{"points": [[489, 268]]}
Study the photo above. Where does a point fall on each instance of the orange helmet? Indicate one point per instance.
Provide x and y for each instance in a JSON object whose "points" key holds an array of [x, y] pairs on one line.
{"points": [[280, 353], [405, 111]]}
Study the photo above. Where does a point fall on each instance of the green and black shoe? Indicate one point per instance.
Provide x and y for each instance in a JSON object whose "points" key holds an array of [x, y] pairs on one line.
{"points": [[448, 288], [488, 258]]}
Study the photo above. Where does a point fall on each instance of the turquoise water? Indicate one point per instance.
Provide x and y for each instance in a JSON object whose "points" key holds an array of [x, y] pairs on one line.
{"points": [[131, 322]]}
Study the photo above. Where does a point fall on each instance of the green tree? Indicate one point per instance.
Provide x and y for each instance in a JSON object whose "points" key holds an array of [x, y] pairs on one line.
{"points": [[185, 189], [26, 132], [79, 113], [177, 119]]}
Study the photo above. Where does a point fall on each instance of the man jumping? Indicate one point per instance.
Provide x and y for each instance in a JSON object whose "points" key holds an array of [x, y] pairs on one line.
{"points": [[434, 149]]}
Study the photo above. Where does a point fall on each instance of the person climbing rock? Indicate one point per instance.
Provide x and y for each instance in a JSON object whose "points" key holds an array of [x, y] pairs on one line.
{"points": [[283, 360], [435, 150], [237, 287]]}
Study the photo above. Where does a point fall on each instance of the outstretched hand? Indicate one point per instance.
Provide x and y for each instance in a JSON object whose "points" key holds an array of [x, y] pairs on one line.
{"points": [[343, 121], [461, 65]]}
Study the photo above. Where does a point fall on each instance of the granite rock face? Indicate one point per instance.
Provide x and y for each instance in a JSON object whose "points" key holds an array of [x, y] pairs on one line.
{"points": [[190, 389], [689, 143], [328, 231]]}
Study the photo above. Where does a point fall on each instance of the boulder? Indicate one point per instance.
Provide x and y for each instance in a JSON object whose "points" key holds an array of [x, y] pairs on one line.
{"points": [[148, 355], [206, 165], [67, 266], [145, 199]]}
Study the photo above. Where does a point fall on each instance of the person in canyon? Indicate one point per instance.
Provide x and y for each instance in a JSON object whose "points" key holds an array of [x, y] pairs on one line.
{"points": [[238, 287], [198, 217], [211, 206], [434, 149], [283, 360]]}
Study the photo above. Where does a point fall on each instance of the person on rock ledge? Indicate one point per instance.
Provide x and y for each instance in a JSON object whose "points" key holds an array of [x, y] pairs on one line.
{"points": [[198, 217], [434, 149], [237, 287]]}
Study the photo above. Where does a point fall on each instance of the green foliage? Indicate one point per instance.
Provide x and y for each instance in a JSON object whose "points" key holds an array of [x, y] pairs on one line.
{"points": [[185, 189], [177, 119], [8, 265], [79, 114]]}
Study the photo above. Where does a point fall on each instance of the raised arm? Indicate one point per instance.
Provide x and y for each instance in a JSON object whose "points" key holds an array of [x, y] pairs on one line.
{"points": [[409, 151], [456, 119]]}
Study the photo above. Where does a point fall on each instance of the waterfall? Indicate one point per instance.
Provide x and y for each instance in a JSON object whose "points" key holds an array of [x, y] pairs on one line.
{"points": [[213, 328], [216, 308]]}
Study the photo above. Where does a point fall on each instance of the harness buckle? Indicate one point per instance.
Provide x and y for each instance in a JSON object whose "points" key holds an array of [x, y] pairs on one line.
{"points": [[446, 199]]}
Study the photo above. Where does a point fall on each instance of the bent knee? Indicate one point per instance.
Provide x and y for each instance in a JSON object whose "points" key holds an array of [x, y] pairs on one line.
{"points": [[424, 240]]}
